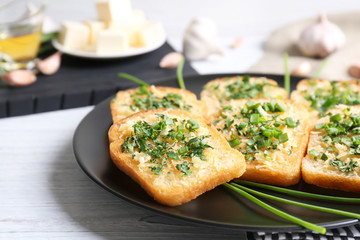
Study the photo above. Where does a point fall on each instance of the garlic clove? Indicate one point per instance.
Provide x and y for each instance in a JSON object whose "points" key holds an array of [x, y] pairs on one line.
{"points": [[303, 69], [320, 39], [354, 71], [49, 65], [171, 60], [238, 42], [19, 78], [201, 39]]}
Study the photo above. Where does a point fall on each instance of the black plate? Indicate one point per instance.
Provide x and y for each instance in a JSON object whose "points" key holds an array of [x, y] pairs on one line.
{"points": [[220, 206]]}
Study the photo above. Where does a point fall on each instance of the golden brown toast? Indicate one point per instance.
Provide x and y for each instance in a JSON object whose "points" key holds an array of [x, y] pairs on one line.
{"points": [[220, 90], [333, 156], [321, 95], [272, 135], [134, 100], [174, 155]]}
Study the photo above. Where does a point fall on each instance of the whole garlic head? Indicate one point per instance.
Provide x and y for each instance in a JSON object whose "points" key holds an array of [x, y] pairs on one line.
{"points": [[201, 39], [320, 39]]}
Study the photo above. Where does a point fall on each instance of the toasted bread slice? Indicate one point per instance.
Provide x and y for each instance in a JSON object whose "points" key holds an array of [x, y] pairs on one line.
{"points": [[321, 95], [220, 90], [272, 135], [333, 157], [143, 98], [173, 160]]}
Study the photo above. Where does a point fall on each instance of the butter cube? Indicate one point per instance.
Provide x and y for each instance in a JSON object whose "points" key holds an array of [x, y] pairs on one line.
{"points": [[89, 48], [94, 27], [112, 41], [136, 19], [131, 33], [150, 34], [73, 35], [130, 25], [113, 10]]}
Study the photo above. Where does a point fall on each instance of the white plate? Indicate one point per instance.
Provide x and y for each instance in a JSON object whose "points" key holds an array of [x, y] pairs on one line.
{"points": [[128, 53]]}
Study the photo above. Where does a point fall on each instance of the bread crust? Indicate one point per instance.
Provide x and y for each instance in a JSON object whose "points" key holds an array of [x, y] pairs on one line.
{"points": [[318, 172], [286, 170], [222, 165], [212, 103], [120, 107]]}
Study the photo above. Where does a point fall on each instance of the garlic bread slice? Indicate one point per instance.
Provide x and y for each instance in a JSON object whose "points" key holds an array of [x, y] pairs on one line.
{"points": [[272, 135], [174, 155], [333, 155], [130, 101]]}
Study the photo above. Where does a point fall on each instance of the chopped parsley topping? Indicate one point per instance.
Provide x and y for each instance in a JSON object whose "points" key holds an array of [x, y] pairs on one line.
{"points": [[324, 100], [342, 166], [259, 125], [158, 140], [341, 129], [144, 99], [241, 88]]}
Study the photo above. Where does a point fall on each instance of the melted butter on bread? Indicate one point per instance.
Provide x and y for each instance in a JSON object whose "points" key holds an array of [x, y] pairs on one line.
{"points": [[328, 162], [277, 163], [172, 187], [124, 104], [220, 90]]}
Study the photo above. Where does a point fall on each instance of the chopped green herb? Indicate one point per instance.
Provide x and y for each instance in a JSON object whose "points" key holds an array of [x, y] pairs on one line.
{"points": [[259, 125], [283, 138], [234, 141], [192, 125], [226, 108], [184, 168], [144, 100], [151, 140], [173, 155], [243, 87], [342, 166], [356, 140], [336, 118], [324, 157], [324, 100], [291, 123], [314, 153]]}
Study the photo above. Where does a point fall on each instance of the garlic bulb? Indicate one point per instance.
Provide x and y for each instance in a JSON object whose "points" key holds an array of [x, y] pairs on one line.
{"points": [[320, 39], [201, 39]]}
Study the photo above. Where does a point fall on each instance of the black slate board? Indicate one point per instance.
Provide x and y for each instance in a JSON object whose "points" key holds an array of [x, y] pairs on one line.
{"points": [[81, 82]]}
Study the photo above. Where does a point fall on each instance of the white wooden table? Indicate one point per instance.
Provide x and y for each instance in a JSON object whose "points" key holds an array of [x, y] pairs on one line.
{"points": [[43, 192]]}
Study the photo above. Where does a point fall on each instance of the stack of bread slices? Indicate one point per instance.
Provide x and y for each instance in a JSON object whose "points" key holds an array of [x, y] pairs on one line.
{"points": [[178, 147]]}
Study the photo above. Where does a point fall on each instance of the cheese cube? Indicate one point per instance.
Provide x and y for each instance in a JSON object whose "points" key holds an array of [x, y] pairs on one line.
{"points": [[112, 41], [73, 35], [94, 27], [113, 10], [150, 34]]}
